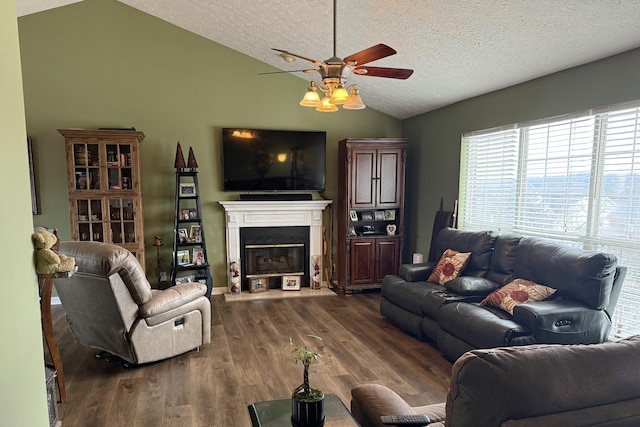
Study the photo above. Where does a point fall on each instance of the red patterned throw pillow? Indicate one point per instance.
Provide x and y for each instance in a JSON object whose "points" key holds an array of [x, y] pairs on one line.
{"points": [[517, 292], [450, 266]]}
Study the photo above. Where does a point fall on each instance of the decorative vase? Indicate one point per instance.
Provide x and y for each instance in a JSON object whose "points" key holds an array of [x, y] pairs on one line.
{"points": [[307, 413]]}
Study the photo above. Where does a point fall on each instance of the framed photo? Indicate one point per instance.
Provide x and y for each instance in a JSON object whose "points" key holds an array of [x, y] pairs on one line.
{"points": [[195, 234], [390, 214], [379, 215], [183, 237], [367, 216], [183, 257], [290, 283], [258, 284], [187, 190], [198, 256], [353, 215]]}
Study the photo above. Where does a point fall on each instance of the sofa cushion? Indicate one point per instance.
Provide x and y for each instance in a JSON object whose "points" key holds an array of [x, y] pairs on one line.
{"points": [[451, 264], [517, 292], [577, 274], [503, 259], [479, 243], [480, 326], [471, 285], [408, 295]]}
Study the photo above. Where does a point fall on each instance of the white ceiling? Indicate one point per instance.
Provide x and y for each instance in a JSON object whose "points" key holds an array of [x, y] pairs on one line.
{"points": [[458, 48]]}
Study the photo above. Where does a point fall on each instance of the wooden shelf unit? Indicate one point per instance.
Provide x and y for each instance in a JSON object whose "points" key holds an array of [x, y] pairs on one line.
{"points": [[105, 191], [371, 176]]}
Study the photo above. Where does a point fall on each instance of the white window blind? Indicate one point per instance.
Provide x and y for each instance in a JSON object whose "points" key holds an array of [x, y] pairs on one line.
{"points": [[575, 180]]}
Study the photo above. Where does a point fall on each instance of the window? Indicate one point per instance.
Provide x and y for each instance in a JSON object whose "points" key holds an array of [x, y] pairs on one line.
{"points": [[574, 179]]}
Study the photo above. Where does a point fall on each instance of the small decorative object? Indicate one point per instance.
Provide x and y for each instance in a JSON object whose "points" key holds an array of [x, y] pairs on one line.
{"points": [[391, 229], [307, 404], [195, 234], [198, 256], [183, 257], [234, 278], [185, 279], [258, 284], [191, 161], [390, 215], [290, 283], [352, 231], [316, 279], [368, 229], [179, 163], [182, 235], [157, 242], [187, 190], [379, 215], [353, 215], [47, 260], [367, 216]]}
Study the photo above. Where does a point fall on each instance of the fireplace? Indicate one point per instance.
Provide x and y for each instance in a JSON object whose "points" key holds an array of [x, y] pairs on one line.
{"points": [[300, 216], [274, 252]]}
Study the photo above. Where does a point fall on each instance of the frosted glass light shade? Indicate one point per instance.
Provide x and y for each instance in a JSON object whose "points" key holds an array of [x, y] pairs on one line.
{"points": [[326, 106], [340, 96], [311, 98], [356, 102]]}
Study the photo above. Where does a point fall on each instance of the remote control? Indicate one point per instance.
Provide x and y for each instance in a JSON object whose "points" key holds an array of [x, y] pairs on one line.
{"points": [[406, 420]]}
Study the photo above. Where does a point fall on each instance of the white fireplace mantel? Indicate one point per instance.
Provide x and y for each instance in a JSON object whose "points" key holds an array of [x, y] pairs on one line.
{"points": [[241, 214]]}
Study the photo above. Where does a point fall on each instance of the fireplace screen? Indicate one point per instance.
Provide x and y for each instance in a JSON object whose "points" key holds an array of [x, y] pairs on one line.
{"points": [[274, 260]]}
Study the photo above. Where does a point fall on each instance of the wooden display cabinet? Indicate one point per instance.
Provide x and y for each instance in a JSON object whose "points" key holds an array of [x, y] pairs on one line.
{"points": [[371, 174], [105, 193]]}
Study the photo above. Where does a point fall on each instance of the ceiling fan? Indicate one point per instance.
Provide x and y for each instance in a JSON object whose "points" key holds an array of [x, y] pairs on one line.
{"points": [[334, 72]]}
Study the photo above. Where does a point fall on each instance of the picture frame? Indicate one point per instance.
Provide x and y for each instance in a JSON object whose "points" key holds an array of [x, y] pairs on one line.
{"points": [[290, 283], [367, 216], [195, 234], [390, 214], [258, 284], [187, 189], [182, 257], [379, 215], [183, 237], [353, 215], [185, 279], [198, 256]]}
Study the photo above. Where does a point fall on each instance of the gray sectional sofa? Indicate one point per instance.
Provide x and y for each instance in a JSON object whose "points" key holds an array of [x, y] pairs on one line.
{"points": [[587, 287]]}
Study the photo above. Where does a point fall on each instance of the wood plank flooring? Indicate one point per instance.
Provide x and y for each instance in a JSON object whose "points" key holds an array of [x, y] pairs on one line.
{"points": [[248, 361]]}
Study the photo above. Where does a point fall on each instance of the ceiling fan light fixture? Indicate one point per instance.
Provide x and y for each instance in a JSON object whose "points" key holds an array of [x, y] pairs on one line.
{"points": [[311, 98], [340, 96], [326, 107], [356, 102]]}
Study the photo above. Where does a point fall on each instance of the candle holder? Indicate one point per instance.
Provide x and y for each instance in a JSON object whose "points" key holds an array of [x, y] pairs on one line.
{"points": [[157, 243]]}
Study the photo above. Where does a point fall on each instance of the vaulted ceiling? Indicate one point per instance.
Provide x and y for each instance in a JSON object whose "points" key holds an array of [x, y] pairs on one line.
{"points": [[458, 48]]}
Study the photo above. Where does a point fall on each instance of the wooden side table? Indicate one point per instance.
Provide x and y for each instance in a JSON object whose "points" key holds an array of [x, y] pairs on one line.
{"points": [[45, 286]]}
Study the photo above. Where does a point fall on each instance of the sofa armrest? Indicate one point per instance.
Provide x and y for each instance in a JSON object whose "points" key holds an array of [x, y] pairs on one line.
{"points": [[171, 298], [416, 272], [563, 321]]}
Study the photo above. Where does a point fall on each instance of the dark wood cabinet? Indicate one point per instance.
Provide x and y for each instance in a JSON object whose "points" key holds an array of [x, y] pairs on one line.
{"points": [[371, 179]]}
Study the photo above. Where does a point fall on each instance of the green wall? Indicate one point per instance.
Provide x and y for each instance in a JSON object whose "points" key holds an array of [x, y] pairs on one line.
{"points": [[100, 63], [23, 399], [434, 147]]}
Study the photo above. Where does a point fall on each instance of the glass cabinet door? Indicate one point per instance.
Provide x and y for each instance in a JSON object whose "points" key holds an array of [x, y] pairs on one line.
{"points": [[86, 161], [90, 225], [121, 214], [119, 169]]}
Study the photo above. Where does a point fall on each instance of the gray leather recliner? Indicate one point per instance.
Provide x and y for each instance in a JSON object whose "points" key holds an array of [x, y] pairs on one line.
{"points": [[110, 306]]}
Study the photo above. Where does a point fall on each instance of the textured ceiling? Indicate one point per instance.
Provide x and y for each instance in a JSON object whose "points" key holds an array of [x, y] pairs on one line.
{"points": [[458, 48]]}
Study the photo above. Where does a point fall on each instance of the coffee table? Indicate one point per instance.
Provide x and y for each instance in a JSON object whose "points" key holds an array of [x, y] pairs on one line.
{"points": [[277, 413]]}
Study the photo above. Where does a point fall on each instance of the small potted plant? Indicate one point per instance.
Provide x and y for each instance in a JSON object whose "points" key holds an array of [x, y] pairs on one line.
{"points": [[307, 404]]}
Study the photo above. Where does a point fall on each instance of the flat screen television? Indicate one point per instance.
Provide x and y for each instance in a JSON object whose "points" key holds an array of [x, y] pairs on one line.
{"points": [[273, 160]]}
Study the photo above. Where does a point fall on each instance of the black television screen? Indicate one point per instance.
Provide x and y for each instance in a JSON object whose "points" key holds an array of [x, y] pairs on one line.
{"points": [[273, 160]]}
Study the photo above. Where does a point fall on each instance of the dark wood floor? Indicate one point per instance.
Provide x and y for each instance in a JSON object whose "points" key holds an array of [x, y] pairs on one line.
{"points": [[247, 361]]}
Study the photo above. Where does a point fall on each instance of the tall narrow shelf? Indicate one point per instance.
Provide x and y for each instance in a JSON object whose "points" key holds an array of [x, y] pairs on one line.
{"points": [[190, 260], [105, 192], [371, 173]]}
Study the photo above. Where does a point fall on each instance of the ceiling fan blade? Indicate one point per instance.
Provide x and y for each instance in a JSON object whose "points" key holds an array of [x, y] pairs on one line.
{"points": [[371, 54], [311, 70], [315, 61], [391, 73]]}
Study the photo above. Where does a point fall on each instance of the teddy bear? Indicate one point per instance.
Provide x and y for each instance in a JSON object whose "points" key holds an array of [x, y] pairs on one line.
{"points": [[47, 261]]}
